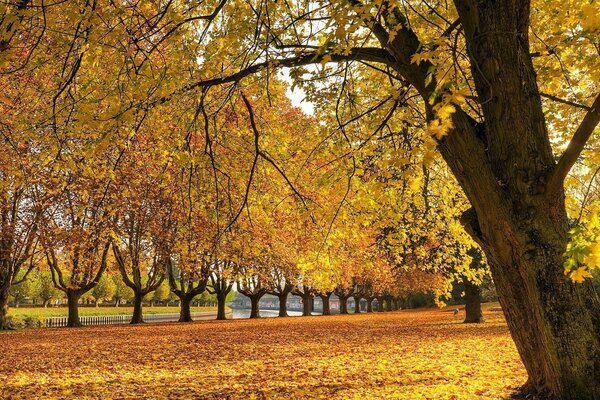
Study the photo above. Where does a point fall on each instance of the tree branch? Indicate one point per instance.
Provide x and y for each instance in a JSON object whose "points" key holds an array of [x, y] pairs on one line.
{"points": [[372, 54], [575, 147]]}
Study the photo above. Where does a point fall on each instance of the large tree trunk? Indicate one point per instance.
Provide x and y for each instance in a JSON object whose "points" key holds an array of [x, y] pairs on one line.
{"points": [[473, 313], [343, 305], [221, 299], [326, 306], [307, 305], [254, 309], [356, 305], [138, 317], [185, 311], [369, 305], [4, 320], [73, 305], [504, 166], [283, 305]]}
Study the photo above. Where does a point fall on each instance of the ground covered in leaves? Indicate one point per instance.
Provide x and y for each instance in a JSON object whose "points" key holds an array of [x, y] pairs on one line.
{"points": [[401, 355]]}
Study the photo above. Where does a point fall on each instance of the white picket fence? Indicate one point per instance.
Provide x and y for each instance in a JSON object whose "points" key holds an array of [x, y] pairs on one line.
{"points": [[56, 322]]}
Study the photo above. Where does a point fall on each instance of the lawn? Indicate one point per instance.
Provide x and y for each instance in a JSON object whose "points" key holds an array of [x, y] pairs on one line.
{"points": [[40, 312], [401, 355]]}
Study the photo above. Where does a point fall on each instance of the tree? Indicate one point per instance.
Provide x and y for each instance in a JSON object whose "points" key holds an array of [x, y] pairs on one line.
{"points": [[308, 295], [187, 282], [222, 279], [104, 290], [123, 293], [280, 286], [463, 78], [19, 217], [47, 291], [250, 283], [497, 145], [25, 289], [162, 293]]}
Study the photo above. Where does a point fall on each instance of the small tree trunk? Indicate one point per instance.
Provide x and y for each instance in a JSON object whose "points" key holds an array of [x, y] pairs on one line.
{"points": [[45, 303], [473, 311], [254, 311], [343, 305], [4, 320], [117, 301], [73, 304], [283, 305], [185, 311], [137, 317], [221, 298], [388, 304], [380, 304], [369, 305], [326, 307], [356, 305]]}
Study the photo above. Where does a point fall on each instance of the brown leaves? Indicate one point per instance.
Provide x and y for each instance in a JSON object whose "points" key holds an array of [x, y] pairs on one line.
{"points": [[403, 355]]}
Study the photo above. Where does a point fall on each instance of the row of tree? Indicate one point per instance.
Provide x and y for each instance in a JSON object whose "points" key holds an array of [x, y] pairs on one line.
{"points": [[162, 126]]}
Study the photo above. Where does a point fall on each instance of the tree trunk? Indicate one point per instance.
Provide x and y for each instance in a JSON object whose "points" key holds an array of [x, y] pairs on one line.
{"points": [[307, 305], [343, 305], [388, 304], [254, 309], [473, 314], [380, 306], [369, 305], [73, 304], [45, 303], [4, 319], [283, 305], [185, 311], [356, 305], [138, 317], [221, 298], [326, 306], [504, 164]]}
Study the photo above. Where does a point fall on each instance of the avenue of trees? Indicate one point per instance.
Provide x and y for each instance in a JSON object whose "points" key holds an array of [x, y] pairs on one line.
{"points": [[449, 141]]}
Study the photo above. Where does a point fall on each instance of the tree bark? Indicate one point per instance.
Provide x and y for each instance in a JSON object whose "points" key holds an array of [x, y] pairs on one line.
{"points": [[343, 305], [369, 305], [307, 305], [221, 299], [388, 304], [380, 305], [283, 304], [254, 307], [356, 305], [185, 312], [4, 319], [73, 305], [138, 317], [326, 306], [520, 222], [473, 313]]}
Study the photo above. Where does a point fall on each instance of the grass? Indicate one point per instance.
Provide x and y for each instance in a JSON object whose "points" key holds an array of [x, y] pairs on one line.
{"points": [[40, 312], [426, 354]]}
